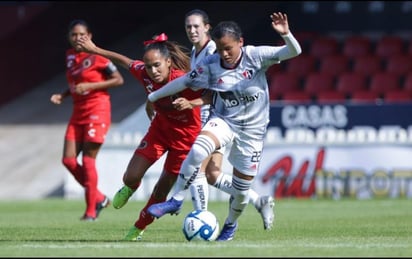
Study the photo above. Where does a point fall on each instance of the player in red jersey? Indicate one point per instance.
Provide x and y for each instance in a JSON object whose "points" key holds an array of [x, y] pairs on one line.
{"points": [[89, 76], [170, 131]]}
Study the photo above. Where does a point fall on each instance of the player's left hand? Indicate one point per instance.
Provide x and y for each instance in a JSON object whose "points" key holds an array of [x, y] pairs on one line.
{"points": [[280, 22]]}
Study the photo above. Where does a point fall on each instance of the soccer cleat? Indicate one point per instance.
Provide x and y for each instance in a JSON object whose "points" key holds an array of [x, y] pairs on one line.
{"points": [[228, 232], [171, 206], [134, 234], [87, 218], [122, 196], [101, 205], [265, 205]]}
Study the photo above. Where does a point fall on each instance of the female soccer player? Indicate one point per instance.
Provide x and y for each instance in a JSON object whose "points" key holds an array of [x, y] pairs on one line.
{"points": [[170, 131], [197, 27], [89, 76], [240, 116]]}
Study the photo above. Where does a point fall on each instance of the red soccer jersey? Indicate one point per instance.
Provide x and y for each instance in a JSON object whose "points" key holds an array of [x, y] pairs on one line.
{"points": [[93, 106], [182, 127]]}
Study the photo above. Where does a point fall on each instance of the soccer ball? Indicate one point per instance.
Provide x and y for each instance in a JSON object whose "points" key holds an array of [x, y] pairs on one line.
{"points": [[200, 225]]}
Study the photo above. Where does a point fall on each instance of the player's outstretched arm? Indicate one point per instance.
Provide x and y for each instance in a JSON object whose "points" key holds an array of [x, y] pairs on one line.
{"points": [[88, 45]]}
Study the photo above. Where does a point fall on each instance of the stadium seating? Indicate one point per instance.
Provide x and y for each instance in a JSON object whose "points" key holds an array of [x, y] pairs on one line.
{"points": [[305, 39], [296, 97], [396, 96], [384, 82], [350, 82], [399, 64], [331, 96], [364, 96], [281, 83], [407, 83], [334, 64], [367, 65], [301, 65], [318, 82], [324, 46], [389, 46], [356, 46]]}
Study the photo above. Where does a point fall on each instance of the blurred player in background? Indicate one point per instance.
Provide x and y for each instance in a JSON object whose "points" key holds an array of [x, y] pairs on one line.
{"points": [[197, 25], [89, 77], [240, 115], [170, 130]]}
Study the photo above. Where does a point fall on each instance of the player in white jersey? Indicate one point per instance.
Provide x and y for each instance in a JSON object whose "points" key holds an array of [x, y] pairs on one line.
{"points": [[197, 27], [241, 112]]}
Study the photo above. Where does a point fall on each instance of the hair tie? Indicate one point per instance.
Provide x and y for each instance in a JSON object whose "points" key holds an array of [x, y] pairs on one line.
{"points": [[157, 38]]}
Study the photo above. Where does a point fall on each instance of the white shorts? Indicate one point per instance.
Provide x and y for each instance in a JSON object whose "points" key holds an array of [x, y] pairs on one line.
{"points": [[245, 152]]}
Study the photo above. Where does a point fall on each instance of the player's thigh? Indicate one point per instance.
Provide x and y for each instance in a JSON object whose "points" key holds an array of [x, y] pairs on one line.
{"points": [[219, 131]]}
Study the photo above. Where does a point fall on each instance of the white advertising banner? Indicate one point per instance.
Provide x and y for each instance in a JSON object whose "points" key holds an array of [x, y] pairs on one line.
{"points": [[363, 171]]}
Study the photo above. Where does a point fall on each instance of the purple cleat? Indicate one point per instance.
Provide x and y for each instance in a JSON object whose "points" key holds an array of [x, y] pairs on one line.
{"points": [[228, 232], [171, 206]]}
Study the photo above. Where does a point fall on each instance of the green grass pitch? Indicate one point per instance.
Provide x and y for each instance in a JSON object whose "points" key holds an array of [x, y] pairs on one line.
{"points": [[303, 228]]}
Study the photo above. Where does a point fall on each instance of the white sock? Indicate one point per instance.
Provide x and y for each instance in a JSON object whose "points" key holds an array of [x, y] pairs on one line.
{"points": [[201, 149], [239, 200], [224, 183], [200, 192]]}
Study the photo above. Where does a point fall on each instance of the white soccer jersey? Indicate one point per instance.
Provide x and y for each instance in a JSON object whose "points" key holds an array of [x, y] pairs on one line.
{"points": [[207, 50], [242, 97]]}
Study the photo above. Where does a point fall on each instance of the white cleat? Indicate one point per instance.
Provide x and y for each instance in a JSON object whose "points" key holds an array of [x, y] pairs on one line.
{"points": [[265, 206]]}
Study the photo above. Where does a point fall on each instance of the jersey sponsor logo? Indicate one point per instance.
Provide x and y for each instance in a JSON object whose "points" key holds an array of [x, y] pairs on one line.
{"points": [[230, 100]]}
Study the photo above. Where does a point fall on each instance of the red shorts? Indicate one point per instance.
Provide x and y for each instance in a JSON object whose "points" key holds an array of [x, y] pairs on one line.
{"points": [[155, 143], [91, 132]]}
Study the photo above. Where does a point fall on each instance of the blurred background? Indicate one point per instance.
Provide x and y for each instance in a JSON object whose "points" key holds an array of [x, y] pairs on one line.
{"points": [[340, 115]]}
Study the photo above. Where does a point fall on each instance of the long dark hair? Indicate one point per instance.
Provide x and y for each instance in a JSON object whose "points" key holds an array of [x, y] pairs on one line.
{"points": [[176, 52]]}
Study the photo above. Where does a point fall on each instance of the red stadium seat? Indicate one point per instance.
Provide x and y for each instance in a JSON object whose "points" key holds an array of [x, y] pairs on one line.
{"points": [[305, 39], [281, 83], [367, 65], [334, 64], [273, 69], [389, 46], [409, 48], [383, 82], [350, 82], [357, 46], [318, 82], [330, 97], [397, 96], [364, 96], [399, 65], [324, 46], [301, 65], [296, 97], [407, 83]]}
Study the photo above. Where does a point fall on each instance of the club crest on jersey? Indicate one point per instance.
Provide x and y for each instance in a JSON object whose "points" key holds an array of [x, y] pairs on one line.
{"points": [[149, 85], [87, 63], [142, 145], [248, 73], [193, 74]]}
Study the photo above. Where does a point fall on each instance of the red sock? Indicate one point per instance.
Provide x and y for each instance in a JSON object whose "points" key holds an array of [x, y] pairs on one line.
{"points": [[90, 185], [145, 218], [74, 168]]}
